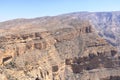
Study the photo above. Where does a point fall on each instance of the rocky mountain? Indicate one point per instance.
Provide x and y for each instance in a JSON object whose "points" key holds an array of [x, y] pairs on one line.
{"points": [[75, 46], [106, 23]]}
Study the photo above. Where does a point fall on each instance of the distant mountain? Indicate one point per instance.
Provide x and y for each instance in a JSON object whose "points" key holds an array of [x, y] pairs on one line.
{"points": [[106, 23]]}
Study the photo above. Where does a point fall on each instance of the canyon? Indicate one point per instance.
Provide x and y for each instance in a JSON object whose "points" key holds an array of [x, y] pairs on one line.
{"points": [[74, 46]]}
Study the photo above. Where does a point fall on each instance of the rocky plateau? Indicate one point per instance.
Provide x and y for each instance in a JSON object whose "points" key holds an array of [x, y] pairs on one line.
{"points": [[74, 46]]}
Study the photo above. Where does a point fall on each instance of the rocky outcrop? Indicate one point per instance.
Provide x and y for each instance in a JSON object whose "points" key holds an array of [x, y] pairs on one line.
{"points": [[56, 48]]}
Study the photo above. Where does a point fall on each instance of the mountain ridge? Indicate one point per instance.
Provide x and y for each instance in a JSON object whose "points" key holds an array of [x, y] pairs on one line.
{"points": [[106, 23]]}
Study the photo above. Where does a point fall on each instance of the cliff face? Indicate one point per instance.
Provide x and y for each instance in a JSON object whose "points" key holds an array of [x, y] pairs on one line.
{"points": [[56, 48], [106, 23]]}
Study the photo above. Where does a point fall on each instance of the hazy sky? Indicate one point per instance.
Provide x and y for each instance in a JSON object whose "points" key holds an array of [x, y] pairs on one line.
{"points": [[11, 9]]}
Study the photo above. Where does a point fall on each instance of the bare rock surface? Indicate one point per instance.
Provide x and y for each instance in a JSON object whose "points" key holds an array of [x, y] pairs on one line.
{"points": [[56, 48]]}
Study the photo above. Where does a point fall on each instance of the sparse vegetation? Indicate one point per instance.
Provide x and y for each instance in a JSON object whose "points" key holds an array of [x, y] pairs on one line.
{"points": [[57, 47]]}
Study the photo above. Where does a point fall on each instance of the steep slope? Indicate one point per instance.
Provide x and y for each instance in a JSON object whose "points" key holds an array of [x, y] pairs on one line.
{"points": [[63, 47], [106, 23]]}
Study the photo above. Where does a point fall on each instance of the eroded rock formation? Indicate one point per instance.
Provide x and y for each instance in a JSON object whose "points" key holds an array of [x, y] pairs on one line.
{"points": [[69, 50]]}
